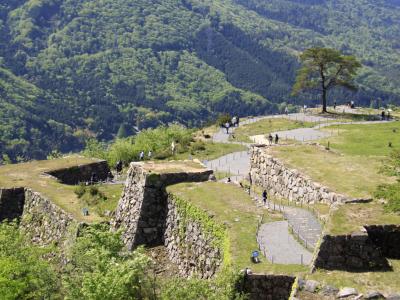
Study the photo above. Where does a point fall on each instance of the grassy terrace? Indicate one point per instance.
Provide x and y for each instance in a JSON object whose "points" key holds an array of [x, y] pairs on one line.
{"points": [[352, 168], [209, 151], [267, 126], [364, 282], [32, 175], [230, 205]]}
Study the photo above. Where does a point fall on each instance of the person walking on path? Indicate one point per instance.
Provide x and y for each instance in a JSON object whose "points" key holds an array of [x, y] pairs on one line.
{"points": [[334, 105], [227, 125], [270, 139], [276, 139], [150, 154], [173, 148], [383, 115], [237, 121], [264, 196], [286, 110], [141, 155]]}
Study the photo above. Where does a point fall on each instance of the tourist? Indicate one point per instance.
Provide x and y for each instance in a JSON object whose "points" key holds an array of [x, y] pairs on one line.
{"points": [[150, 154], [173, 147], [229, 180], [276, 139], [233, 121], [227, 125], [286, 110], [141, 155], [118, 167], [383, 115], [264, 196], [110, 176], [237, 121], [270, 139], [334, 105]]}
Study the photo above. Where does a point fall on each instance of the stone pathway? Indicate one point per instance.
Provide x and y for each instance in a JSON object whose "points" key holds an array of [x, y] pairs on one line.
{"points": [[275, 240], [309, 134], [280, 247]]}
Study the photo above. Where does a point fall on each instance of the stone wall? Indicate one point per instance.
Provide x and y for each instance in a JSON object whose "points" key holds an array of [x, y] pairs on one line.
{"points": [[11, 203], [149, 217], [142, 210], [189, 245], [355, 252], [45, 222], [282, 182], [267, 287], [387, 237], [82, 173]]}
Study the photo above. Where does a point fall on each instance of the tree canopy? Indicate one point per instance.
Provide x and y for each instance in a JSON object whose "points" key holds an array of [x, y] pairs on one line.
{"points": [[323, 69], [73, 69]]}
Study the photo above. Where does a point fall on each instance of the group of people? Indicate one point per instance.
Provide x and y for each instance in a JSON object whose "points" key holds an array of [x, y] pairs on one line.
{"points": [[385, 116], [271, 139], [233, 123], [149, 155]]}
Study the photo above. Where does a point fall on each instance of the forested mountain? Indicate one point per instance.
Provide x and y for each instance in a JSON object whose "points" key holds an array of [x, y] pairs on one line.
{"points": [[70, 69]]}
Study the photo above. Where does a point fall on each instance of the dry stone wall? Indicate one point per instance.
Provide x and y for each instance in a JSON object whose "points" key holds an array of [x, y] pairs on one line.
{"points": [[387, 237], [267, 287], [11, 203], [45, 222], [82, 173], [282, 182], [353, 252], [149, 216], [189, 246]]}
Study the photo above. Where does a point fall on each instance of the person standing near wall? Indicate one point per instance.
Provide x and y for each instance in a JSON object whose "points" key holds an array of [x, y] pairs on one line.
{"points": [[264, 196]]}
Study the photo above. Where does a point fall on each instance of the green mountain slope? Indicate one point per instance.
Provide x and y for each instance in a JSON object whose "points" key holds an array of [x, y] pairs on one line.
{"points": [[93, 66]]}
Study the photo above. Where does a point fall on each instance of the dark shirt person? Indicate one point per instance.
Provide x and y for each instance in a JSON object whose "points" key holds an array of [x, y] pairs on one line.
{"points": [[276, 139], [264, 196]]}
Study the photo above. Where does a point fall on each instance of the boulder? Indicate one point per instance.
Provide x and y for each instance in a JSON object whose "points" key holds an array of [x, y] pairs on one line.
{"points": [[347, 292], [374, 295], [311, 286], [329, 290]]}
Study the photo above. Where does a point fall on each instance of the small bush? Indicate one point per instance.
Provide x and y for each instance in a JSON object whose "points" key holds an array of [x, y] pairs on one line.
{"points": [[94, 190], [197, 146], [80, 190], [390, 192]]}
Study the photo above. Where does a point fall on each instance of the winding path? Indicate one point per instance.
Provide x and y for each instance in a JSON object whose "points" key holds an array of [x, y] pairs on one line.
{"points": [[274, 239]]}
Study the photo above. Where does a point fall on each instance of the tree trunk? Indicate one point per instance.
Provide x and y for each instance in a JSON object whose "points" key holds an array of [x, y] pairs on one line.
{"points": [[324, 104]]}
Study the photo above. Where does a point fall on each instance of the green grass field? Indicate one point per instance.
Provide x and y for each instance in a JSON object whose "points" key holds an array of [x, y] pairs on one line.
{"points": [[232, 206], [352, 167], [267, 126], [364, 282], [209, 151], [31, 175], [370, 140]]}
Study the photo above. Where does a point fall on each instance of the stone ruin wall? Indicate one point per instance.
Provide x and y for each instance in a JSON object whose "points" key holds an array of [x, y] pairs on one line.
{"points": [[82, 173], [44, 222], [352, 252], [267, 287], [194, 251], [149, 216], [360, 251], [283, 182]]}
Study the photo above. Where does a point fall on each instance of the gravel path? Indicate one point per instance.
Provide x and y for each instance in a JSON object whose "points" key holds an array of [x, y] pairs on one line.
{"points": [[274, 238], [280, 247]]}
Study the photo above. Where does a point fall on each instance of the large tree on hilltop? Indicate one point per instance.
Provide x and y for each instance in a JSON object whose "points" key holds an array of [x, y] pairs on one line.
{"points": [[323, 69]]}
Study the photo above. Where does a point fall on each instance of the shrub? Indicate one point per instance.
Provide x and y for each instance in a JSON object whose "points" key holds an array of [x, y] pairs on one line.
{"points": [[80, 190]]}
